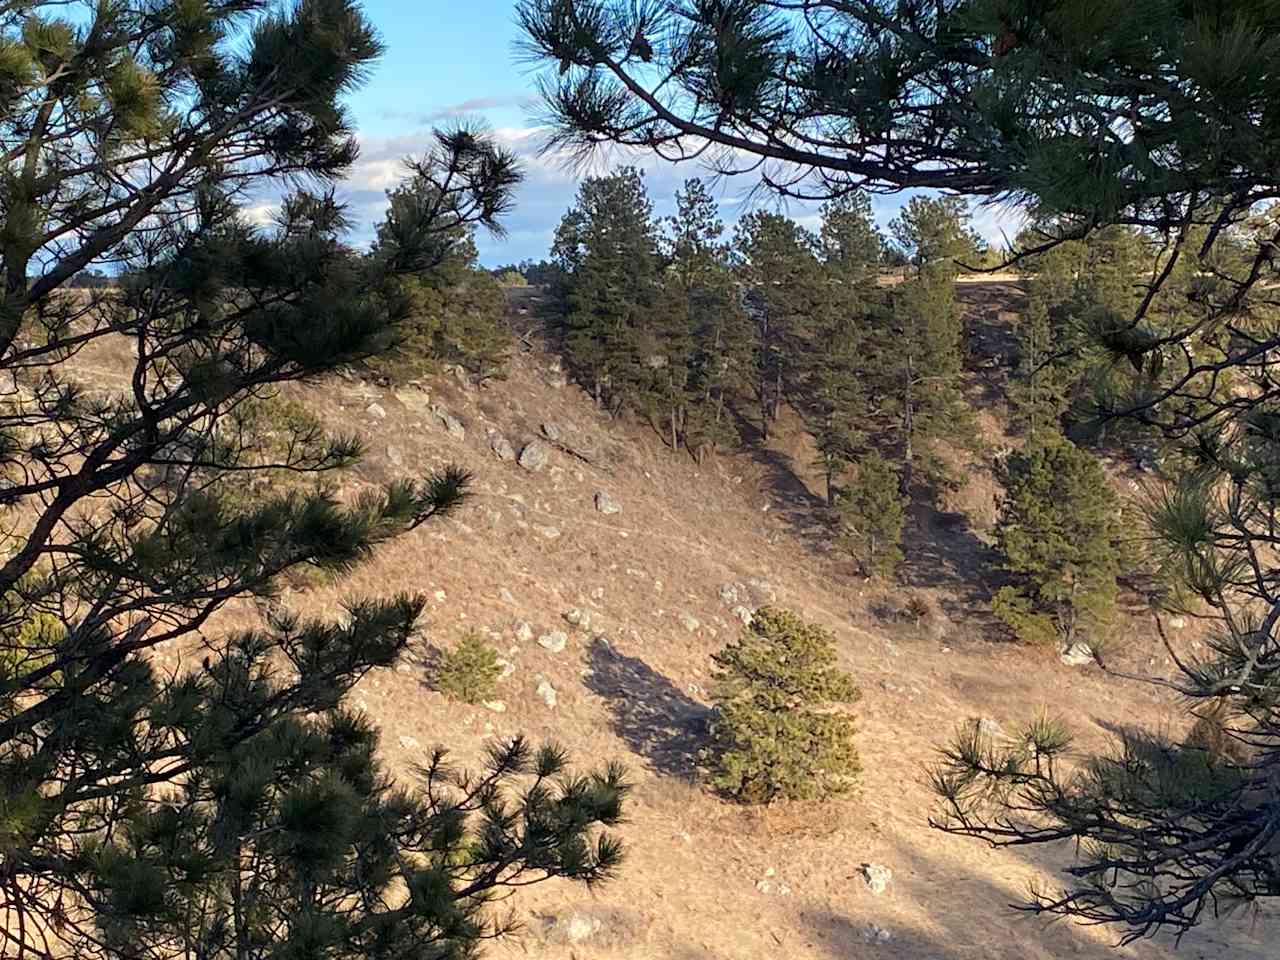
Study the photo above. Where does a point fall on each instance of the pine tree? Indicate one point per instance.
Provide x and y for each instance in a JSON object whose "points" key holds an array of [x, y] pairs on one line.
{"points": [[776, 262], [1058, 532], [607, 249], [952, 96], [138, 508], [300, 844], [871, 512], [777, 737], [703, 318], [468, 672]]}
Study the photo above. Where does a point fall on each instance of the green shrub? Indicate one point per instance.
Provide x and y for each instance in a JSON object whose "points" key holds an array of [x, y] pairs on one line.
{"points": [[469, 672], [777, 736]]}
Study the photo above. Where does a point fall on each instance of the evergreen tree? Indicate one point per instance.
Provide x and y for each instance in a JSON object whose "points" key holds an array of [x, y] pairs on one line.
{"points": [[703, 318], [1057, 531], [607, 249], [456, 314], [777, 737], [300, 844], [871, 513], [1163, 124], [139, 509], [469, 672], [776, 262], [934, 235]]}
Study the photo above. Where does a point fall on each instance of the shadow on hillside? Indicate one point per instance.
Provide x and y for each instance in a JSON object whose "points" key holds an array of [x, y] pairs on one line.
{"points": [[650, 713], [943, 552], [802, 509]]}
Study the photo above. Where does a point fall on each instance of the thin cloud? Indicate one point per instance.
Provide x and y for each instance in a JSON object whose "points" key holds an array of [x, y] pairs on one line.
{"points": [[520, 101]]}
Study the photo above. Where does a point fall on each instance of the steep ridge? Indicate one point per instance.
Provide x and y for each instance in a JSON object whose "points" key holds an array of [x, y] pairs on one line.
{"points": [[659, 581]]}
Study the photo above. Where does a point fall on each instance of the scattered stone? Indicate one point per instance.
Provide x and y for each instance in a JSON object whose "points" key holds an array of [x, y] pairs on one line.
{"points": [[764, 886], [745, 614], [506, 596], [1177, 623], [440, 596], [501, 447], [534, 456], [552, 432], [877, 876], [409, 743], [505, 667], [875, 933], [1077, 655], [554, 641], [450, 422], [395, 457], [375, 410], [690, 622], [597, 593], [547, 531], [547, 692], [729, 594], [573, 928], [523, 631], [606, 504], [578, 617], [497, 706]]}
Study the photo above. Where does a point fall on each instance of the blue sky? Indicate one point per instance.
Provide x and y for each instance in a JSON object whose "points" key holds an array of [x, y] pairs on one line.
{"points": [[449, 59]]}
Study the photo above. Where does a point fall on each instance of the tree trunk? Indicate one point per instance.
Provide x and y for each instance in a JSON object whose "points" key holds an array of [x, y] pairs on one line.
{"points": [[908, 430]]}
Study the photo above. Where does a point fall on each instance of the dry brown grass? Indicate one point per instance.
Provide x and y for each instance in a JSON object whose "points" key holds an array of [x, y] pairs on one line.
{"points": [[689, 888]]}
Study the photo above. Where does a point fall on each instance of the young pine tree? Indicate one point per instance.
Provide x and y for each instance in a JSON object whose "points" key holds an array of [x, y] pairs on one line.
{"points": [[871, 511], [1058, 531], [469, 671], [777, 736]]}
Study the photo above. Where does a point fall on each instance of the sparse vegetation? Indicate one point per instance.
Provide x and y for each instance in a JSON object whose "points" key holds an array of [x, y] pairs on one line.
{"points": [[469, 671], [780, 729]]}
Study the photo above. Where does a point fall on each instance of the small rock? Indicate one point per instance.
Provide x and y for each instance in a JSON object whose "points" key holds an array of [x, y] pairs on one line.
{"points": [[597, 593], [534, 456], [1077, 655], [606, 504], [729, 594], [690, 622], [764, 886], [547, 531], [506, 596], [876, 934], [497, 706], [375, 410], [1177, 623], [410, 743], [523, 631], [745, 614], [577, 617], [501, 447], [552, 432], [505, 667], [450, 422], [440, 596], [395, 457], [877, 876], [546, 692], [555, 641]]}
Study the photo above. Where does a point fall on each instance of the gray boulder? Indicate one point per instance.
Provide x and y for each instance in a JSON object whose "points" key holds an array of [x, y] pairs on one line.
{"points": [[554, 641], [878, 877], [450, 422], [606, 504], [502, 448], [535, 456]]}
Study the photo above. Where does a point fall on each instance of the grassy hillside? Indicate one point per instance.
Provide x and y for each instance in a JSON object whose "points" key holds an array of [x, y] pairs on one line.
{"points": [[658, 581]]}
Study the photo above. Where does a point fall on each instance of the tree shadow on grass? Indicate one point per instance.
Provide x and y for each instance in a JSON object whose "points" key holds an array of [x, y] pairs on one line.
{"points": [[650, 713], [943, 552], [804, 511]]}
